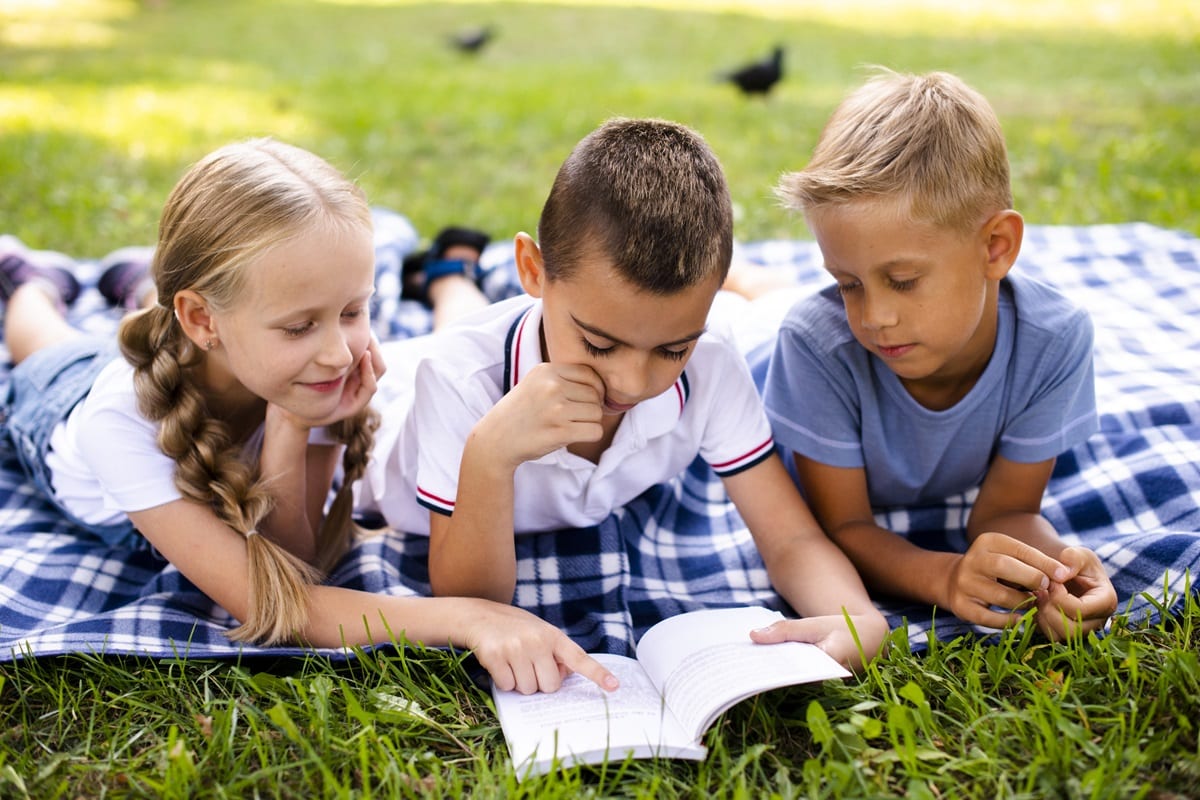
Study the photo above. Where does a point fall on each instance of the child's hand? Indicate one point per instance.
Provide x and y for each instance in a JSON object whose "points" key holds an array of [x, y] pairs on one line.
{"points": [[554, 405], [525, 653], [361, 384], [1081, 604], [998, 570], [831, 634]]}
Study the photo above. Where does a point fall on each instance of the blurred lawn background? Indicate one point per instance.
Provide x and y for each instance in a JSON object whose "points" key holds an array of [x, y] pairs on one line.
{"points": [[103, 104]]}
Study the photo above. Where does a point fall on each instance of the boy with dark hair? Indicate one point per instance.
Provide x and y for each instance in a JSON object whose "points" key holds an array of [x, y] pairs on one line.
{"points": [[552, 410]]}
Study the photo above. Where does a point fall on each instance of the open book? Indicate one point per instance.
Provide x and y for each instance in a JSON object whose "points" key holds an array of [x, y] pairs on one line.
{"points": [[689, 669]]}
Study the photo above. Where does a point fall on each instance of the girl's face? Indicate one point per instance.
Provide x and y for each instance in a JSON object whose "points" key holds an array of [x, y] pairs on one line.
{"points": [[302, 325]]}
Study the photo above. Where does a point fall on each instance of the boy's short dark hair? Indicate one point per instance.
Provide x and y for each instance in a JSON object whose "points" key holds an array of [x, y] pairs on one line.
{"points": [[929, 141], [648, 194]]}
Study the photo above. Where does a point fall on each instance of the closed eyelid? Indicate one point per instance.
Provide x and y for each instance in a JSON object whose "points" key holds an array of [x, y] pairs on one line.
{"points": [[610, 343]]}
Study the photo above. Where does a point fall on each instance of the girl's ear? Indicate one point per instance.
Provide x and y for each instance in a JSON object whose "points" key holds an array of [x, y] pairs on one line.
{"points": [[1003, 233], [196, 319], [530, 268]]}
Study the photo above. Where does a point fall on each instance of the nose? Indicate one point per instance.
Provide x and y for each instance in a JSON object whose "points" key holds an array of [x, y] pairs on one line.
{"points": [[629, 377], [335, 349], [877, 311]]}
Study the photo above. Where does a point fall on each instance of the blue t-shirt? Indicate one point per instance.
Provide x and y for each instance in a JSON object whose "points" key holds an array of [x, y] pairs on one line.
{"points": [[831, 400]]}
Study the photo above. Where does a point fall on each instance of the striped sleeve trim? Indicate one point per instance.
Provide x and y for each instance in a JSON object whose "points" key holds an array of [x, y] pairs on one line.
{"points": [[746, 460], [434, 503]]}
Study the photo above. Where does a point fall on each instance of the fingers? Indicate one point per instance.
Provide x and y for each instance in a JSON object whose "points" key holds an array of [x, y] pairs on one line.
{"points": [[545, 672], [553, 406], [571, 656], [503, 677], [378, 365], [582, 375], [991, 618], [1072, 593], [1060, 616], [361, 383], [831, 634], [1019, 563], [525, 654]]}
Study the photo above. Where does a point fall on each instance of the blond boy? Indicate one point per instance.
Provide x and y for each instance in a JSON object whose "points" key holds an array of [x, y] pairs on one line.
{"points": [[931, 368]]}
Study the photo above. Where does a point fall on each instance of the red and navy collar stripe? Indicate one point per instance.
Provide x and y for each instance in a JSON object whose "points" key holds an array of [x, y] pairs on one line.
{"points": [[682, 389], [512, 350]]}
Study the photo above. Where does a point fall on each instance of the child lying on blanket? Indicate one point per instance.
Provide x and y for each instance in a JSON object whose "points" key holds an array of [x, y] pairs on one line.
{"points": [[929, 369], [551, 410], [243, 381]]}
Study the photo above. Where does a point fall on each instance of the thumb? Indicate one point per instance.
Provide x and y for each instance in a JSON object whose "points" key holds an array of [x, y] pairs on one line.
{"points": [[772, 634]]}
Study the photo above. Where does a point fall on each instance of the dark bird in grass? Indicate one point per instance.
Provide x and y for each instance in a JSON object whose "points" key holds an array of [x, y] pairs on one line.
{"points": [[759, 77], [472, 40]]}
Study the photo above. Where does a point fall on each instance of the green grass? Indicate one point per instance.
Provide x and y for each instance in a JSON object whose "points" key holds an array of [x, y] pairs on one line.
{"points": [[104, 104], [1099, 718]]}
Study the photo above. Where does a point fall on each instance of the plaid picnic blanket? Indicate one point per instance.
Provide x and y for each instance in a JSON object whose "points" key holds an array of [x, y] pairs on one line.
{"points": [[1131, 492]]}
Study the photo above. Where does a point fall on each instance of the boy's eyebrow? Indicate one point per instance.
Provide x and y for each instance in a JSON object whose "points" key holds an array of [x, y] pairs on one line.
{"points": [[891, 263], [592, 329]]}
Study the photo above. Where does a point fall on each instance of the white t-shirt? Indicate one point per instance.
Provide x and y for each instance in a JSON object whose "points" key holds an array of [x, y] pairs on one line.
{"points": [[438, 387], [104, 458]]}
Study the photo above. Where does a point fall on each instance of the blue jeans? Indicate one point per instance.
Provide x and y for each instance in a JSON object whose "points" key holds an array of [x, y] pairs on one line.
{"points": [[42, 390]]}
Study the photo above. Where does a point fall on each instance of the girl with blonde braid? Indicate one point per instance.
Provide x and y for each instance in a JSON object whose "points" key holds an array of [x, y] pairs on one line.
{"points": [[216, 431]]}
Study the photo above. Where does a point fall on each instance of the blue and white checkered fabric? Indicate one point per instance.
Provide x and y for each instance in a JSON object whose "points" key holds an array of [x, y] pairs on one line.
{"points": [[1131, 493]]}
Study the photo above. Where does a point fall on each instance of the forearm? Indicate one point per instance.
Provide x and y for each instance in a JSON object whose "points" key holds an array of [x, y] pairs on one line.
{"points": [[890, 564], [816, 578], [339, 616], [283, 464], [471, 554]]}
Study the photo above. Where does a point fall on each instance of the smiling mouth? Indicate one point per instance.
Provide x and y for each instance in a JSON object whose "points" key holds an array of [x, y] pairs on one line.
{"points": [[895, 351], [327, 386]]}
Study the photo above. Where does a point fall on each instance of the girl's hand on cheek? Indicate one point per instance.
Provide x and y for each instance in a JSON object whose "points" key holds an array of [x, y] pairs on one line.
{"points": [[360, 386]]}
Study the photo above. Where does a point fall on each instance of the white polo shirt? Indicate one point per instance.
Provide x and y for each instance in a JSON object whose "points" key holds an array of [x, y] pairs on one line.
{"points": [[438, 387]]}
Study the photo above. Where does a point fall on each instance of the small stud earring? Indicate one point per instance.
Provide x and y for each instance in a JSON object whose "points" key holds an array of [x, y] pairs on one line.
{"points": [[209, 344]]}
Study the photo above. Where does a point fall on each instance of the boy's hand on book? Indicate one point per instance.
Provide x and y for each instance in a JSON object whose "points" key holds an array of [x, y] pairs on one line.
{"points": [[552, 406], [999, 571], [831, 634], [1081, 604], [526, 654]]}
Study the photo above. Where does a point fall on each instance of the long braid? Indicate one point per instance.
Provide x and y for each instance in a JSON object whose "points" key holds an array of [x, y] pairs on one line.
{"points": [[358, 434], [209, 471]]}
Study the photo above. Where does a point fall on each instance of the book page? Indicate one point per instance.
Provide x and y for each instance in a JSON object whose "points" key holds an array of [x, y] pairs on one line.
{"points": [[582, 723], [704, 662]]}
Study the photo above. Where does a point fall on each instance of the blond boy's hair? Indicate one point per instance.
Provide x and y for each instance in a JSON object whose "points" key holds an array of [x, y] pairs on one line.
{"points": [[929, 141]]}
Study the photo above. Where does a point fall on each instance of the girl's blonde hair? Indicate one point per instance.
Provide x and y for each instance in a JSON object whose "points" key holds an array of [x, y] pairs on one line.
{"points": [[930, 141], [226, 211]]}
